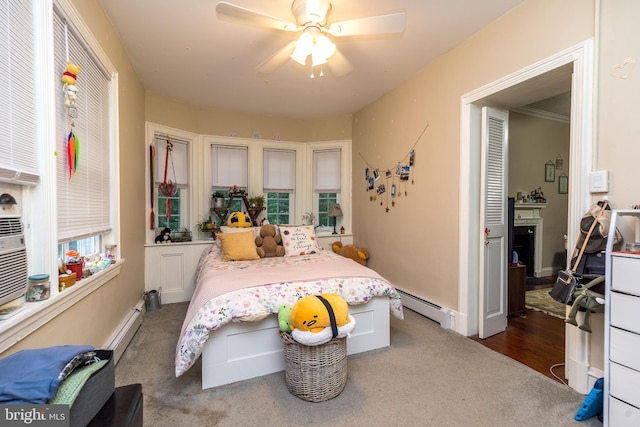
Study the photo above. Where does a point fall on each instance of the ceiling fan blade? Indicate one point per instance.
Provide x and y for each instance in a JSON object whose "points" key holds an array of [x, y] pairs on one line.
{"points": [[339, 64], [276, 60], [383, 24], [253, 17]]}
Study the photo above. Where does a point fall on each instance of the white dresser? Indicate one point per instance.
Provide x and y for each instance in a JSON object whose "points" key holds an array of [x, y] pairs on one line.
{"points": [[622, 326]]}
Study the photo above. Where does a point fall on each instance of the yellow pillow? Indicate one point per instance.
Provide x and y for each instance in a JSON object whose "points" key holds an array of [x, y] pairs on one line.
{"points": [[238, 246]]}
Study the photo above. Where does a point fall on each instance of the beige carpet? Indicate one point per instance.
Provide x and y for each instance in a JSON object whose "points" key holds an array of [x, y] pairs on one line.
{"points": [[428, 377], [540, 300]]}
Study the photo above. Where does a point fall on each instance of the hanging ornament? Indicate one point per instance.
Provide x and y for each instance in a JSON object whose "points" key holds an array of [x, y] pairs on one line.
{"points": [[73, 153]]}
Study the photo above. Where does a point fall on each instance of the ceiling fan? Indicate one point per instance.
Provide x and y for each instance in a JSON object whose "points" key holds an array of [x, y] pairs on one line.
{"points": [[313, 44]]}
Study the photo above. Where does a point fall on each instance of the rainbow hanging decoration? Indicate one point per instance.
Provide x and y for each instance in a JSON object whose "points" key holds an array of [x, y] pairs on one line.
{"points": [[73, 153]]}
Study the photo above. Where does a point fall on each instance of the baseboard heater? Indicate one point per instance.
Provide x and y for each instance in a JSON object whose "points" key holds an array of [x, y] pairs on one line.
{"points": [[437, 313], [125, 332]]}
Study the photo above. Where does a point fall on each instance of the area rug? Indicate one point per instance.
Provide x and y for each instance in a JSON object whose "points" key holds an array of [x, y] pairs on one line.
{"points": [[540, 300]]}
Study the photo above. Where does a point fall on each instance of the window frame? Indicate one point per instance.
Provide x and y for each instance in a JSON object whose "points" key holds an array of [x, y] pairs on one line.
{"points": [[41, 231], [344, 197], [188, 193]]}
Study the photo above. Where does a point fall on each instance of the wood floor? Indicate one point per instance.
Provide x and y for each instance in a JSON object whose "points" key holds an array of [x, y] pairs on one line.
{"points": [[535, 339]]}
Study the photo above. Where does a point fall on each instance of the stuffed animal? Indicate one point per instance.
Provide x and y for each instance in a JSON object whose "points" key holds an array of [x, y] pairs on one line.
{"points": [[70, 96], [359, 255], [310, 320], [269, 244], [164, 236], [284, 316], [70, 74], [239, 220]]}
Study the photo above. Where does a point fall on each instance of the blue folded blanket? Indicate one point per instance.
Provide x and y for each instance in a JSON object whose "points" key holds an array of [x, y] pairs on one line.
{"points": [[33, 376]]}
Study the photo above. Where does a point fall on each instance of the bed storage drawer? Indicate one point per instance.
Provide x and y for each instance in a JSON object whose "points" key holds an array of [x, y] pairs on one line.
{"points": [[624, 275], [624, 348], [622, 414], [624, 309], [624, 384]]}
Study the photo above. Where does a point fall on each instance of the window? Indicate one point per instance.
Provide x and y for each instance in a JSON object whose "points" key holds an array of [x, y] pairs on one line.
{"points": [[171, 165], [229, 167], [326, 182], [18, 162], [83, 166], [279, 183]]}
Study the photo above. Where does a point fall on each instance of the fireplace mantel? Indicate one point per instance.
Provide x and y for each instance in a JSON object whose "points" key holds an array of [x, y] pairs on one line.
{"points": [[528, 214]]}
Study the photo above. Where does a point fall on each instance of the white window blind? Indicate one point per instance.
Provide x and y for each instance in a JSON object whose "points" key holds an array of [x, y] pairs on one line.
{"points": [[18, 161], [326, 171], [229, 166], [177, 167], [279, 170], [84, 207]]}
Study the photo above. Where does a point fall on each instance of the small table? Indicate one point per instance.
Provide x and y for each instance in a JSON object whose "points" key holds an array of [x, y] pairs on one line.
{"points": [[517, 280]]}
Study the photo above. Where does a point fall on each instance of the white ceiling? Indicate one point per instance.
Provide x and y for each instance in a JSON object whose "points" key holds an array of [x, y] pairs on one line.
{"points": [[183, 51]]}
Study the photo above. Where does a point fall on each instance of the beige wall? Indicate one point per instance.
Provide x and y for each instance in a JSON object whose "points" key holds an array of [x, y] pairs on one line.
{"points": [[93, 320], [618, 128], [533, 141], [228, 123], [415, 245]]}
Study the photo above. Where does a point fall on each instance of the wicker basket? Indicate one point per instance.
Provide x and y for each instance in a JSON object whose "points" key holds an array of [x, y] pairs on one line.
{"points": [[315, 373]]}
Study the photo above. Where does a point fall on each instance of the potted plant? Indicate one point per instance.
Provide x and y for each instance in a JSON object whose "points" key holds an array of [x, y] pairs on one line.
{"points": [[206, 225], [257, 201], [218, 199]]}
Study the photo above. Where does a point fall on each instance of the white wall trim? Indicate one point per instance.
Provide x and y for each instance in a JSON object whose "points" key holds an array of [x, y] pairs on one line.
{"points": [[581, 56], [123, 335]]}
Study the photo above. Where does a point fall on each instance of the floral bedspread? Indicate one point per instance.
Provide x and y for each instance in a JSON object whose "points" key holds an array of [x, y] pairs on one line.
{"points": [[258, 294]]}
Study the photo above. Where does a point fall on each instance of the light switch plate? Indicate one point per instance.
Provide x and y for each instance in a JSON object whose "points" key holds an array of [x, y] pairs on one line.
{"points": [[599, 181]]}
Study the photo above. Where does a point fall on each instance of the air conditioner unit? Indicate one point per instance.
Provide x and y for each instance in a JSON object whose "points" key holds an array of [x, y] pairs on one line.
{"points": [[14, 275]]}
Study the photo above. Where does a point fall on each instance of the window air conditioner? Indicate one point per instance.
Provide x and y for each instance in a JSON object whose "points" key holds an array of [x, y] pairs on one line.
{"points": [[13, 259]]}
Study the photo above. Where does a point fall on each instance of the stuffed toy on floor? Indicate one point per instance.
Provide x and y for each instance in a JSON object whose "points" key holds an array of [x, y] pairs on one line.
{"points": [[359, 255], [310, 319]]}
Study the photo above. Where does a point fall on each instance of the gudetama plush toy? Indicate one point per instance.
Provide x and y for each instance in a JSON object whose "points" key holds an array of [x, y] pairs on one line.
{"points": [[359, 255], [269, 244], [310, 319]]}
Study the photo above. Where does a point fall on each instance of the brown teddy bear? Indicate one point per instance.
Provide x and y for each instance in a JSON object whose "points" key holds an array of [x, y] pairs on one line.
{"points": [[359, 255], [269, 244]]}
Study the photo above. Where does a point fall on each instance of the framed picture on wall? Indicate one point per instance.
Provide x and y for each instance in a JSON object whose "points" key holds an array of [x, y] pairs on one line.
{"points": [[549, 172], [563, 184]]}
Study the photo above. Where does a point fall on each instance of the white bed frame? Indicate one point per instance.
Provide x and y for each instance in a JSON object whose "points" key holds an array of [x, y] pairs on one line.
{"points": [[239, 351]]}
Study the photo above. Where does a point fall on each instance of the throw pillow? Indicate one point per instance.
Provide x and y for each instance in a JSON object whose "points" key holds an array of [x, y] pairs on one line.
{"points": [[299, 240], [238, 246]]}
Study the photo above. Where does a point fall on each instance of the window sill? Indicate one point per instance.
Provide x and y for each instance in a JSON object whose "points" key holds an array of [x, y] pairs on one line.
{"points": [[36, 314]]}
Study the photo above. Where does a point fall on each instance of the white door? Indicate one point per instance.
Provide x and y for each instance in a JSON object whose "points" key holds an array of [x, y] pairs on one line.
{"points": [[493, 262]]}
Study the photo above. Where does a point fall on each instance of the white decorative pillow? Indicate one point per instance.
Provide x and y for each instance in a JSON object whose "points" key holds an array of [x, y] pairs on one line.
{"points": [[298, 240]]}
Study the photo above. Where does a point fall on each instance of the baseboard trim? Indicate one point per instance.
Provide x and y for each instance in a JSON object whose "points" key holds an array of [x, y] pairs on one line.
{"points": [[435, 312], [125, 331]]}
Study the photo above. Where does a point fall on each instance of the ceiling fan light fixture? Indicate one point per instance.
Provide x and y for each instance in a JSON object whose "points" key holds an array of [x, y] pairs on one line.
{"points": [[304, 47], [325, 46]]}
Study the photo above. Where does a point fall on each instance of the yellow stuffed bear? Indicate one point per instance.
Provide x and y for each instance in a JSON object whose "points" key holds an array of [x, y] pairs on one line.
{"points": [[239, 220], [70, 74], [359, 255], [310, 320]]}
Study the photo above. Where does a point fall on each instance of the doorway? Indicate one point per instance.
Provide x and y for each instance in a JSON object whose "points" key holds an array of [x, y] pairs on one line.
{"points": [[531, 82]]}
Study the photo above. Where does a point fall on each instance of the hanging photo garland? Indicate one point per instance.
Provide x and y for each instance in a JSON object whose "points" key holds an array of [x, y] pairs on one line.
{"points": [[400, 173]]}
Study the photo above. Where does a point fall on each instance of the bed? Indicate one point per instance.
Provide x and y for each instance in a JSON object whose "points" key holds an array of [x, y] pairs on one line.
{"points": [[232, 324]]}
